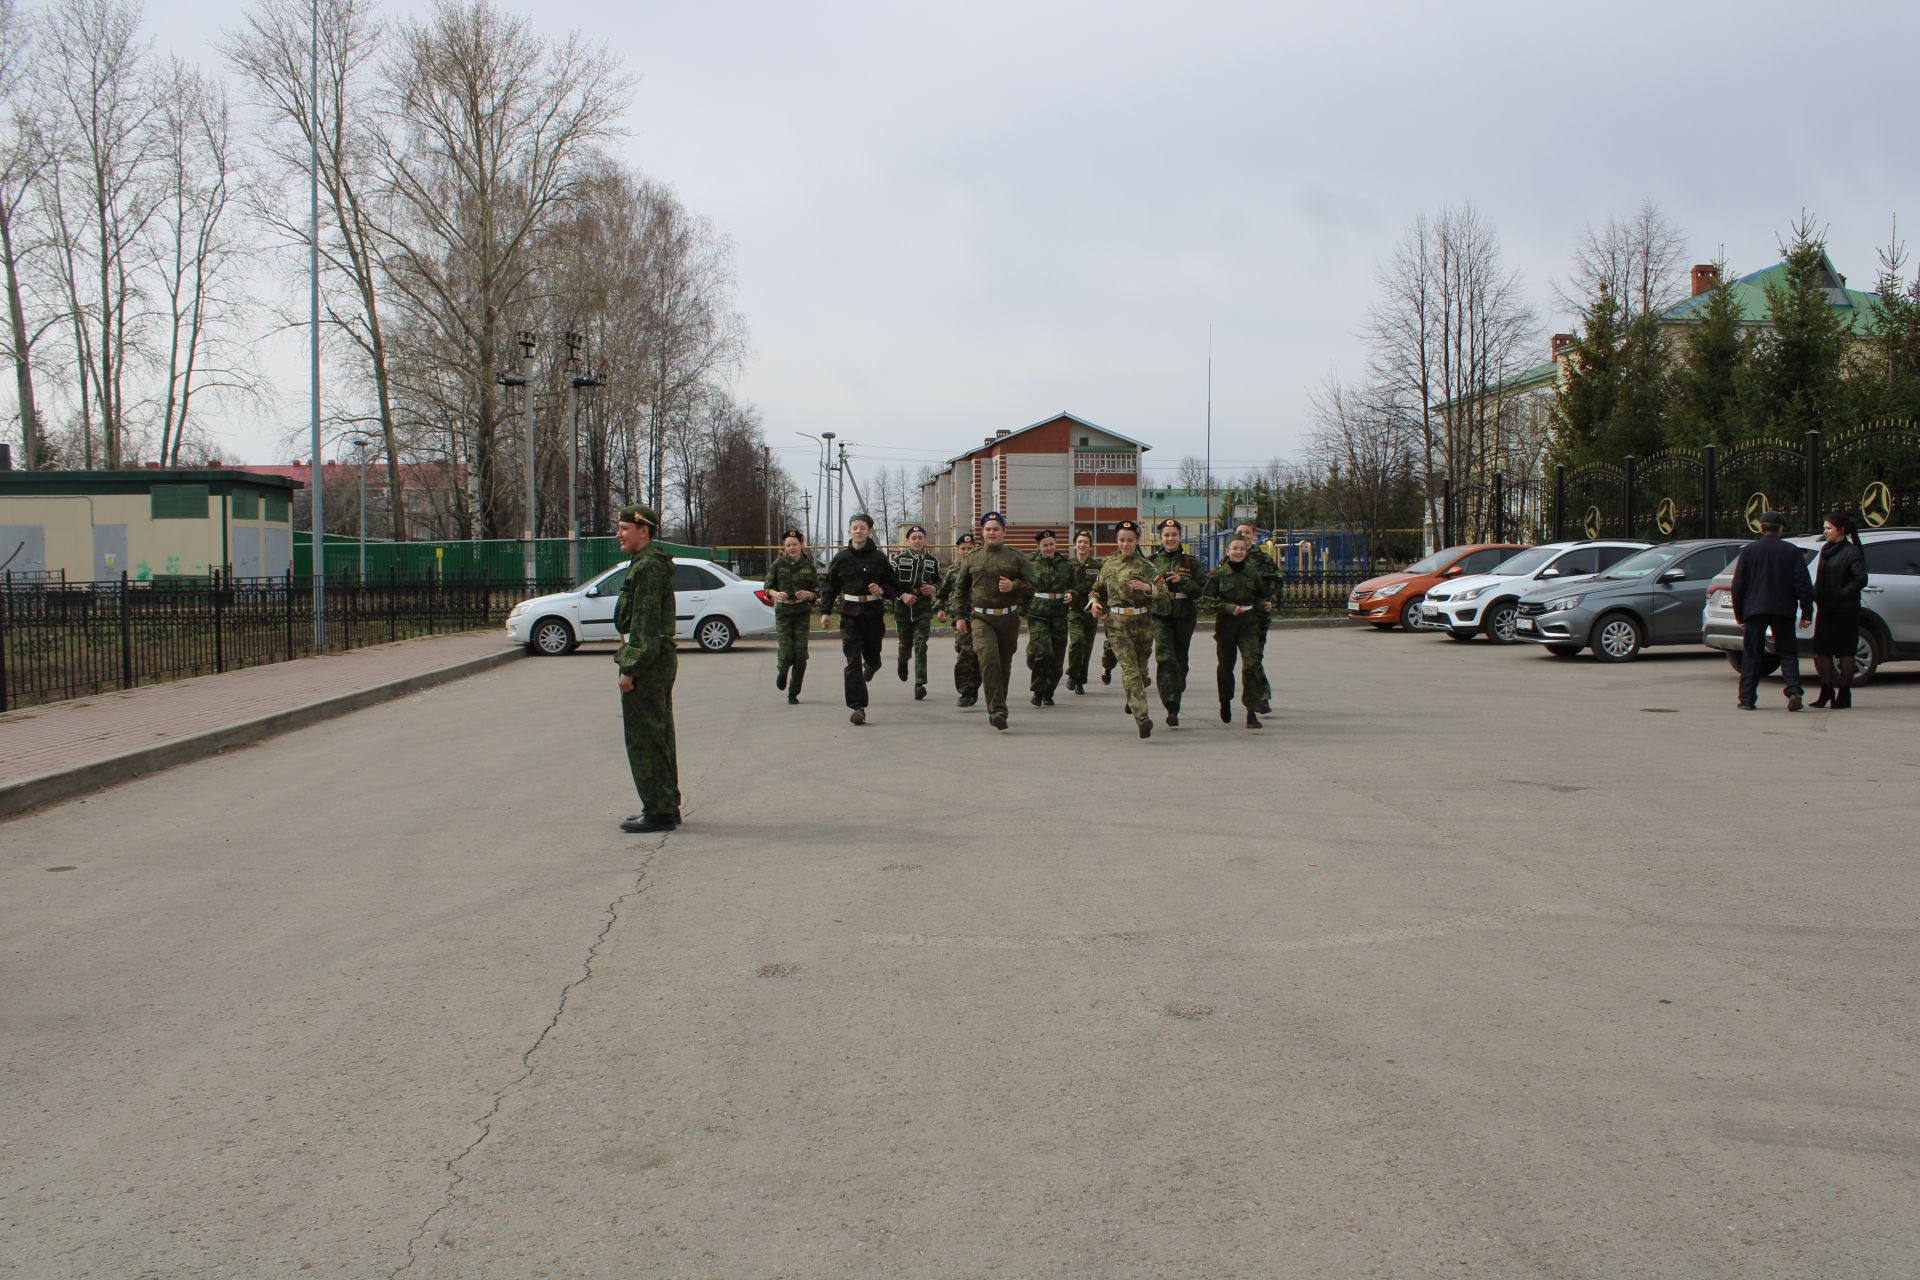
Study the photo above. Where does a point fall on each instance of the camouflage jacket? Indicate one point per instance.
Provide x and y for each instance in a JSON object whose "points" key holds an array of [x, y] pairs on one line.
{"points": [[1085, 574], [1053, 577], [911, 571], [644, 613], [792, 576], [1269, 573], [1181, 595], [1232, 584], [1116, 571], [978, 583]]}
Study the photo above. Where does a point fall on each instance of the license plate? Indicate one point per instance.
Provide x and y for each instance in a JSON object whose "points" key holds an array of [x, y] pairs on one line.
{"points": [[1523, 624]]}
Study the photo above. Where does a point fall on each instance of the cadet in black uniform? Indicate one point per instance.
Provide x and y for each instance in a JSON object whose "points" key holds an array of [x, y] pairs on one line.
{"points": [[855, 586]]}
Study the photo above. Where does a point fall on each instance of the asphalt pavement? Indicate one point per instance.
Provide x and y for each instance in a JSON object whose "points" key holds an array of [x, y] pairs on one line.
{"points": [[1474, 962]]}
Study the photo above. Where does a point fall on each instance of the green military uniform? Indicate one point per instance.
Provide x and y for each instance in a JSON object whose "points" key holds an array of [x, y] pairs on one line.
{"points": [[1173, 623], [1270, 583], [644, 615], [993, 616], [966, 664], [1081, 624], [1229, 589], [1129, 628], [792, 620], [1054, 579], [913, 621]]}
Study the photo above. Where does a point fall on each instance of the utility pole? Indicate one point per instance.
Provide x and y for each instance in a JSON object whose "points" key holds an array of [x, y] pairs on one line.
{"points": [[528, 340], [581, 380], [319, 519], [826, 491], [1209, 525], [766, 481], [841, 498]]}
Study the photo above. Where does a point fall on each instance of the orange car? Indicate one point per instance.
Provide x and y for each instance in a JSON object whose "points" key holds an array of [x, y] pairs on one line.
{"points": [[1395, 597]]}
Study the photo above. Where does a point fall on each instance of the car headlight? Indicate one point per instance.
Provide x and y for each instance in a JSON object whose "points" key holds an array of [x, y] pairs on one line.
{"points": [[1393, 590], [1474, 594], [517, 610], [1562, 604]]}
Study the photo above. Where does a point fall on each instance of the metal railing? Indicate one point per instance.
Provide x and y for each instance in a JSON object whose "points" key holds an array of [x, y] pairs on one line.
{"points": [[61, 640]]}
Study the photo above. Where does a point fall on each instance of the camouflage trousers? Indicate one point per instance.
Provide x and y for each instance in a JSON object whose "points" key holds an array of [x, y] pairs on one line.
{"points": [[995, 640], [1046, 653], [647, 713], [913, 632], [966, 666], [1266, 686], [1172, 637], [1238, 637], [1080, 631], [1130, 641], [791, 625]]}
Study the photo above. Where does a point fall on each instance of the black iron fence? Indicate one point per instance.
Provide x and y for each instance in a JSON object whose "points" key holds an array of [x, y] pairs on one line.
{"points": [[62, 640]]}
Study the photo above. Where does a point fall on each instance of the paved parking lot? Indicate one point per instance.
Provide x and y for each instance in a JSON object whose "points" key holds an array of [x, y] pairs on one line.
{"points": [[1475, 963]]}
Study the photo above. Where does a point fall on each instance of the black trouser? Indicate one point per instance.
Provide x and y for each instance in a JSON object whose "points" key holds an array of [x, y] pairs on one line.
{"points": [[1785, 644], [860, 637]]}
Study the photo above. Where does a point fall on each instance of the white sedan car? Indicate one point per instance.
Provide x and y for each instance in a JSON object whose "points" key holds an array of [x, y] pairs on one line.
{"points": [[712, 607]]}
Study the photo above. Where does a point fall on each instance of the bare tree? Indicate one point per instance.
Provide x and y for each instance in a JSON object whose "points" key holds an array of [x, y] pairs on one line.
{"points": [[1639, 258], [102, 194], [485, 132], [1192, 473], [1450, 325], [198, 250], [1364, 446], [22, 156]]}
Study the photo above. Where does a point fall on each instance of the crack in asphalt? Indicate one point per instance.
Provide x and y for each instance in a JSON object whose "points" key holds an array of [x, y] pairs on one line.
{"points": [[454, 1176]]}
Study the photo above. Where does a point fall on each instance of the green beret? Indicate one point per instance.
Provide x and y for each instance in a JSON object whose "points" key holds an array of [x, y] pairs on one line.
{"points": [[637, 514]]}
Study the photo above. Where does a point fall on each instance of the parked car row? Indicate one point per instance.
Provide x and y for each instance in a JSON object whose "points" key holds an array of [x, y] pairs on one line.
{"points": [[1619, 598]]}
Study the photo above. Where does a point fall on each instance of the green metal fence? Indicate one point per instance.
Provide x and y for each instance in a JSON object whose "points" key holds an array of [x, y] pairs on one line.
{"points": [[496, 559]]}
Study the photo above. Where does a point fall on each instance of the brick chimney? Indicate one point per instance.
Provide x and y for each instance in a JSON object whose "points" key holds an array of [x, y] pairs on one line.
{"points": [[1561, 341], [1706, 277], [1002, 432]]}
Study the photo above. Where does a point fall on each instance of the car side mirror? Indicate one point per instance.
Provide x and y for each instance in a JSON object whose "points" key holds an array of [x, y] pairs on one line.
{"points": [[1454, 572], [1549, 572], [1672, 575], [593, 593]]}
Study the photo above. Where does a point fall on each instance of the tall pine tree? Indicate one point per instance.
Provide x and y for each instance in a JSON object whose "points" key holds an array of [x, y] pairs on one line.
{"points": [[1796, 381], [1590, 388], [1891, 387], [1707, 406]]}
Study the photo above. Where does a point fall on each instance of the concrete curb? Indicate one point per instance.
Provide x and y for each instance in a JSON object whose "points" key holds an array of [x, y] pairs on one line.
{"points": [[62, 784]]}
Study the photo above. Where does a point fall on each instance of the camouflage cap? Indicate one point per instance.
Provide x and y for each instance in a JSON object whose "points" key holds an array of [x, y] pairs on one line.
{"points": [[638, 514]]}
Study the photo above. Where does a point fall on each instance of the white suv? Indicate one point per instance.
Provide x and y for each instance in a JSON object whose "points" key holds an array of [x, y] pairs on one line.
{"points": [[712, 607], [1486, 602]]}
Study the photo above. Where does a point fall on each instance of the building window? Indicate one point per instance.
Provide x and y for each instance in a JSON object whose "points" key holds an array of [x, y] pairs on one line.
{"points": [[246, 505], [1091, 461], [179, 502], [278, 508], [1084, 496]]}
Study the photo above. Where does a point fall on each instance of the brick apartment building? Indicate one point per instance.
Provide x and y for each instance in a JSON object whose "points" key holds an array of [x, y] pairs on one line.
{"points": [[1062, 473]]}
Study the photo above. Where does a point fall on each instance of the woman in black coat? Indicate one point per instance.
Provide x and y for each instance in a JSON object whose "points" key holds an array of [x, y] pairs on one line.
{"points": [[1836, 621]]}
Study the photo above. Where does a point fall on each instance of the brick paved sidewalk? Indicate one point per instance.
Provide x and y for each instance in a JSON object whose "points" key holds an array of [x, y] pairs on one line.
{"points": [[61, 749]]}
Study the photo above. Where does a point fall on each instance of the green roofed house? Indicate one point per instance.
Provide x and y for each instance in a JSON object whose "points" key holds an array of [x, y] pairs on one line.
{"points": [[153, 525], [1750, 291]]}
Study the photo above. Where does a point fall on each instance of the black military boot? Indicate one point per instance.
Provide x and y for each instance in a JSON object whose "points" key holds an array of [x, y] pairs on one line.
{"points": [[646, 823], [1253, 720], [1226, 711], [903, 668], [919, 692], [1035, 701], [793, 685], [858, 715], [968, 699], [1046, 699], [1106, 675], [780, 681], [1266, 706], [998, 719], [1146, 727], [1173, 717]]}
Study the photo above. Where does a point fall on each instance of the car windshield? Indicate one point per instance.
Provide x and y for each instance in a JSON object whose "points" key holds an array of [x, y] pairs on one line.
{"points": [[1639, 565], [1526, 562], [1435, 562]]}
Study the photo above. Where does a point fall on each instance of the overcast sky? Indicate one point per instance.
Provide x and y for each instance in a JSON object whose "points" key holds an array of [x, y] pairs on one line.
{"points": [[951, 219]]}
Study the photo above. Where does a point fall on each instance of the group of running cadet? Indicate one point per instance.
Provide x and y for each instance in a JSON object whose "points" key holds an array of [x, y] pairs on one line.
{"points": [[1149, 605]]}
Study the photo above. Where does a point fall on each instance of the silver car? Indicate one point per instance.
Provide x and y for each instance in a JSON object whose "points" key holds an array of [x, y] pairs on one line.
{"points": [[1487, 602], [1652, 597], [1889, 607]]}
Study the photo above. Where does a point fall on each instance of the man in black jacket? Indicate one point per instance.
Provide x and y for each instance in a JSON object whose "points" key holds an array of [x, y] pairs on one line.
{"points": [[1771, 586], [855, 587]]}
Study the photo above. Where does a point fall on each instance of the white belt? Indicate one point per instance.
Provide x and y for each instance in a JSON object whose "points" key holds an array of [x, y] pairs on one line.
{"points": [[1050, 595], [1125, 612], [847, 599], [994, 613]]}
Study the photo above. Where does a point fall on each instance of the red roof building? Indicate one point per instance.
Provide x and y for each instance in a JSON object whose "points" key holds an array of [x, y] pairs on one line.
{"points": [[1062, 473]]}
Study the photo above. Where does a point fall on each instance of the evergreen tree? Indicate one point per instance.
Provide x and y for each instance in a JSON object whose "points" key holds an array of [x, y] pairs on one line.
{"points": [[1707, 407], [1890, 388], [1590, 390], [1796, 382], [1644, 393]]}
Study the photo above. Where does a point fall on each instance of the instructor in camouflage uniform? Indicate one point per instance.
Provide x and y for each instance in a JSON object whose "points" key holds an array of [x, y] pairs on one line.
{"points": [[1047, 612], [1081, 627], [1122, 594], [994, 582], [1173, 618], [1269, 572], [792, 583], [645, 617], [916, 574], [1232, 598], [966, 665]]}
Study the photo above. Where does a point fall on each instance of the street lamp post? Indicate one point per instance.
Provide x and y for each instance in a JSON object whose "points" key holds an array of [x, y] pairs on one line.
{"points": [[582, 380], [360, 454], [820, 473]]}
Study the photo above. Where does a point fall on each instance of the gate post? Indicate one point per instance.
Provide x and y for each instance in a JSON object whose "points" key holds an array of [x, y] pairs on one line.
{"points": [[1559, 502], [1813, 480], [126, 633], [1626, 509], [1446, 512], [1709, 490], [1499, 507], [219, 626]]}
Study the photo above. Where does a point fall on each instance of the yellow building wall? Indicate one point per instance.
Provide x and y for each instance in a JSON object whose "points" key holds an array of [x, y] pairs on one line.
{"points": [[155, 548]]}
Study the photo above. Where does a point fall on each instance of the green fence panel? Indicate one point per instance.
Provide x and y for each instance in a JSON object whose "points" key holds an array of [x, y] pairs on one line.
{"points": [[494, 558]]}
